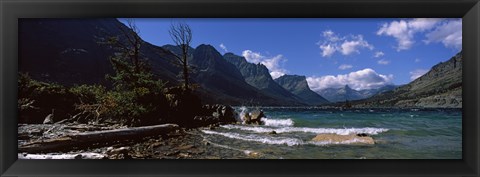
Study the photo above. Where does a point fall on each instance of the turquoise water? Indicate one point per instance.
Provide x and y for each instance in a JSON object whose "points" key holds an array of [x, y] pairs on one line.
{"points": [[398, 133]]}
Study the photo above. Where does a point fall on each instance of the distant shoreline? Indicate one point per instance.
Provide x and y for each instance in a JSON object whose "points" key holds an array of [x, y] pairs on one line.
{"points": [[339, 107]]}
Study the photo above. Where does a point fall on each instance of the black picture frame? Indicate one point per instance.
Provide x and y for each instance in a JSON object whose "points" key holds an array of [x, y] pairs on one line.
{"points": [[11, 11]]}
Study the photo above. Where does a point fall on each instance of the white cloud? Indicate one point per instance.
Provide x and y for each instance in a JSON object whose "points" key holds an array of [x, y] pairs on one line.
{"points": [[404, 30], [417, 73], [449, 33], [345, 66], [327, 50], [331, 36], [223, 47], [346, 45], [276, 74], [252, 57], [273, 64], [358, 80], [383, 62], [422, 24], [379, 54], [417, 60]]}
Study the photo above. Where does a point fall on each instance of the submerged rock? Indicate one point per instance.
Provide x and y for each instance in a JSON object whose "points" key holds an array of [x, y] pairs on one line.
{"points": [[272, 132], [329, 138], [362, 134]]}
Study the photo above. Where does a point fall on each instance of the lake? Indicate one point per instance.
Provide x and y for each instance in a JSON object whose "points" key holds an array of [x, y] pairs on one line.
{"points": [[398, 133]]}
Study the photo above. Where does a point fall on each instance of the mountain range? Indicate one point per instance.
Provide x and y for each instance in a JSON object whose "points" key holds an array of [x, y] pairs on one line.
{"points": [[441, 87], [346, 93], [295, 91], [68, 52], [298, 85]]}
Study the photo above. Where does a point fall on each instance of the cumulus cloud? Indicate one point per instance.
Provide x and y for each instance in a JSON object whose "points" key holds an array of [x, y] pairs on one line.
{"points": [[378, 54], [327, 50], [273, 64], [358, 80], [383, 62], [404, 30], [449, 34], [345, 66], [417, 73], [352, 46], [346, 45], [223, 47]]}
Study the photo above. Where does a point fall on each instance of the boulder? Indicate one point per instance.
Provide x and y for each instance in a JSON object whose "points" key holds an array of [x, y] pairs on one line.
{"points": [[218, 113], [343, 139], [246, 118], [202, 121], [254, 117]]}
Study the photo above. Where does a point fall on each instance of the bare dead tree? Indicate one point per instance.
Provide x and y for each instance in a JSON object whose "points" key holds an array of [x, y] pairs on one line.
{"points": [[134, 43], [181, 35]]}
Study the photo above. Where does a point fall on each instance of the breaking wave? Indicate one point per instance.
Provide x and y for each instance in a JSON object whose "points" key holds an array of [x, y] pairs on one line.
{"points": [[339, 131], [256, 138], [280, 140], [277, 122], [323, 143]]}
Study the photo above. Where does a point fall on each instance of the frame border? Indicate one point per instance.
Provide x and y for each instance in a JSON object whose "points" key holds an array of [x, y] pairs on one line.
{"points": [[12, 10]]}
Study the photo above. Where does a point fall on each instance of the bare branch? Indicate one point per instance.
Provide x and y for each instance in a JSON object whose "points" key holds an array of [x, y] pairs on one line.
{"points": [[181, 35]]}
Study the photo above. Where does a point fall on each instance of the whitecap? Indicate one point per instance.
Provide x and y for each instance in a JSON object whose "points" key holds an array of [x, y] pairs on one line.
{"points": [[256, 138], [324, 143], [277, 122], [280, 140], [339, 131]]}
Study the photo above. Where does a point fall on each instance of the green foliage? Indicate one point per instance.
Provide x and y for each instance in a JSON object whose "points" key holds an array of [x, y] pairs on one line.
{"points": [[88, 94], [38, 99], [137, 97], [137, 107], [129, 76]]}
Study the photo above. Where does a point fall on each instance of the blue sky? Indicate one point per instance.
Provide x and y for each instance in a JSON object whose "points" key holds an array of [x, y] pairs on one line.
{"points": [[363, 53]]}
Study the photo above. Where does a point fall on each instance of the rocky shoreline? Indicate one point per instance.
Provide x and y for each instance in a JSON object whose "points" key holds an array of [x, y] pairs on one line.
{"points": [[180, 144], [177, 143]]}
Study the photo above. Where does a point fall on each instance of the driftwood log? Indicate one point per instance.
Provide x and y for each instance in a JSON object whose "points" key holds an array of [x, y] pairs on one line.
{"points": [[90, 139]]}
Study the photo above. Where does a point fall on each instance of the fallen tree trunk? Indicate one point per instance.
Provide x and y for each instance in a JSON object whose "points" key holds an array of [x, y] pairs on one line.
{"points": [[62, 156], [96, 138]]}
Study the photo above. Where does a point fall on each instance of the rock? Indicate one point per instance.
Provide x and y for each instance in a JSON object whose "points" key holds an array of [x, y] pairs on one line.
{"points": [[272, 132], [343, 139], [212, 127], [184, 155], [252, 154], [215, 114], [247, 119], [205, 142], [121, 150], [48, 119], [257, 115], [185, 147], [202, 121], [254, 117], [79, 156], [362, 134]]}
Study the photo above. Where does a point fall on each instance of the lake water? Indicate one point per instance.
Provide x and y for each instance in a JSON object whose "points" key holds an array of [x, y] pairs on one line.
{"points": [[398, 133]]}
